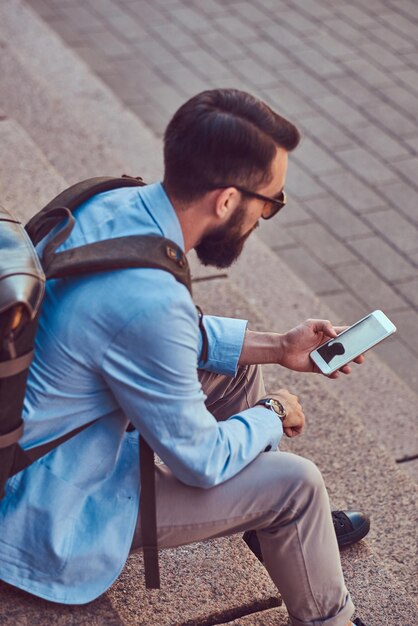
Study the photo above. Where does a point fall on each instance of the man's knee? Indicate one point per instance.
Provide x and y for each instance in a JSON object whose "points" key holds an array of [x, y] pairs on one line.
{"points": [[303, 480], [309, 476]]}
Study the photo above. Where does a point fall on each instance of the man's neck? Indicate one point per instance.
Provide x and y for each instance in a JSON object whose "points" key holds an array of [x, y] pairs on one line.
{"points": [[193, 218]]}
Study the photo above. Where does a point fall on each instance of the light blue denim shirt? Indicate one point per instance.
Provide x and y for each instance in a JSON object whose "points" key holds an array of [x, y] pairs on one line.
{"points": [[120, 346]]}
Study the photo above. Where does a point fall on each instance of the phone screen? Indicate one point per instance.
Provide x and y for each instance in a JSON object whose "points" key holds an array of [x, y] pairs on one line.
{"points": [[352, 342]]}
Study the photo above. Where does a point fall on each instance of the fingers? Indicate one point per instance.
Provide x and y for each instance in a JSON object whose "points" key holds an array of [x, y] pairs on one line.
{"points": [[292, 431], [294, 421], [323, 326], [346, 369], [333, 376], [339, 329]]}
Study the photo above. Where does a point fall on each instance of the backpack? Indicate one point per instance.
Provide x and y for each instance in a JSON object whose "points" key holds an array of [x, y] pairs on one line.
{"points": [[22, 287]]}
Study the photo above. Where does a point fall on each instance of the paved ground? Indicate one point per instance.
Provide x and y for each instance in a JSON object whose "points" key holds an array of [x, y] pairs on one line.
{"points": [[46, 91], [347, 72]]}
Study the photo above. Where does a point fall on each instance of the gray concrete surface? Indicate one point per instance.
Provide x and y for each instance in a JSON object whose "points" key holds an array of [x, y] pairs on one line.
{"points": [[346, 72], [51, 93], [218, 579], [358, 470], [218, 591], [354, 244], [372, 391], [37, 180], [392, 606]]}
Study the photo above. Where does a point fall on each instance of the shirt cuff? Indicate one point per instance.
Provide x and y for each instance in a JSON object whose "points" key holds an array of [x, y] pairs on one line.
{"points": [[225, 339], [265, 425]]}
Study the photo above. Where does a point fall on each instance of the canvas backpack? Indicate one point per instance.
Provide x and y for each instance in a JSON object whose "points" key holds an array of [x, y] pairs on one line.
{"points": [[22, 286]]}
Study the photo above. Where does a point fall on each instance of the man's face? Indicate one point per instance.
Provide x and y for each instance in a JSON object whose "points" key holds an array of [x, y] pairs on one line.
{"points": [[224, 245]]}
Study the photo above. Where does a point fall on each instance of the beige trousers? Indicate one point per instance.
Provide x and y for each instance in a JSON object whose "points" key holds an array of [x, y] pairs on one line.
{"points": [[280, 495]]}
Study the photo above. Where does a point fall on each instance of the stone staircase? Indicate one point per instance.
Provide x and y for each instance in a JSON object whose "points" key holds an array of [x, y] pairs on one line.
{"points": [[59, 124]]}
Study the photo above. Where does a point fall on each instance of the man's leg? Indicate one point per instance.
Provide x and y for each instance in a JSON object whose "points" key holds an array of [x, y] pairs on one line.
{"points": [[226, 396], [280, 495]]}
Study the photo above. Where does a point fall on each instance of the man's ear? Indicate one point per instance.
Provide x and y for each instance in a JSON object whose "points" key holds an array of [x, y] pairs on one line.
{"points": [[226, 202]]}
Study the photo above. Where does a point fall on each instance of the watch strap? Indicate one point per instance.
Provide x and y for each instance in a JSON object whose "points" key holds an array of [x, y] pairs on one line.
{"points": [[268, 403]]}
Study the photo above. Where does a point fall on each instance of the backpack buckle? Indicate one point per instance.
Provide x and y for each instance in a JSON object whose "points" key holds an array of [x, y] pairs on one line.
{"points": [[176, 255]]}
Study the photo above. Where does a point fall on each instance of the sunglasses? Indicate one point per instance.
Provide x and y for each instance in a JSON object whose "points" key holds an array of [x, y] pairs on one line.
{"points": [[273, 205]]}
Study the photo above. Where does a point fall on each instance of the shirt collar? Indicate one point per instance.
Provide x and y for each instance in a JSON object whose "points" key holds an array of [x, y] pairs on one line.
{"points": [[162, 212]]}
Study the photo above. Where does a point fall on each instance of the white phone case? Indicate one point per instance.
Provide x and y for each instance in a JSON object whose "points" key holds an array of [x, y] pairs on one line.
{"points": [[383, 320]]}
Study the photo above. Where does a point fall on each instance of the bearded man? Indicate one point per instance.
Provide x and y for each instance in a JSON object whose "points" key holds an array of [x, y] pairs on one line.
{"points": [[126, 346]]}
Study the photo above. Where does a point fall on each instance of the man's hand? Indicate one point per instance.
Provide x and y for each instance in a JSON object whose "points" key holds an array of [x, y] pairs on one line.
{"points": [[299, 342], [294, 421], [291, 349]]}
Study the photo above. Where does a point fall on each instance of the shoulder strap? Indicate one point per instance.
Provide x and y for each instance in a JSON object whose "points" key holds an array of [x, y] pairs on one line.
{"points": [[119, 253], [24, 458], [148, 515], [71, 198]]}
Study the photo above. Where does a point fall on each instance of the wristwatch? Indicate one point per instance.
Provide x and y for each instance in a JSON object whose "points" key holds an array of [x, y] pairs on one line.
{"points": [[273, 405]]}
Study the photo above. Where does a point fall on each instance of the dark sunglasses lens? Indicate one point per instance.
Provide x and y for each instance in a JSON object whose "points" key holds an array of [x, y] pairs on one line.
{"points": [[274, 207]]}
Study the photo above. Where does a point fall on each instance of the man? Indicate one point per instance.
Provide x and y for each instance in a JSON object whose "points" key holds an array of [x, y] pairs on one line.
{"points": [[125, 346]]}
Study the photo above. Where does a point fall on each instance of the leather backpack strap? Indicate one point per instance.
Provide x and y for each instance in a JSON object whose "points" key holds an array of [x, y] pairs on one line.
{"points": [[24, 458], [121, 253], [72, 197], [148, 515], [128, 252], [124, 252]]}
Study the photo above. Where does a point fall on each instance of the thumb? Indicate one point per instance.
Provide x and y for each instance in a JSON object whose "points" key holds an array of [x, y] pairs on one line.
{"points": [[325, 326]]}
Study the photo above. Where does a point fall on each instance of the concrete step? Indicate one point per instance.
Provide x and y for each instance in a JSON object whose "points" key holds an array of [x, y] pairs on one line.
{"points": [[390, 604], [387, 405], [81, 126], [380, 600], [27, 178], [218, 579], [43, 55], [359, 471], [230, 579], [97, 118], [363, 473]]}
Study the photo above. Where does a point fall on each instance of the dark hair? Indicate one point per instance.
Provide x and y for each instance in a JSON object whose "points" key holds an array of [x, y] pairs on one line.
{"points": [[223, 136]]}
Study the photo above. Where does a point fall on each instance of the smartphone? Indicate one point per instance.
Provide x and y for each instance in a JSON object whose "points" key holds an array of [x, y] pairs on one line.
{"points": [[352, 342]]}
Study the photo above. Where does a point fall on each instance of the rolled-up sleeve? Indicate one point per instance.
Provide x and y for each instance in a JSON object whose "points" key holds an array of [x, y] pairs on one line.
{"points": [[225, 337]]}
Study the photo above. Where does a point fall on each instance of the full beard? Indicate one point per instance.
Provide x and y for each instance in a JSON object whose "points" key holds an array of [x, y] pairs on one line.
{"points": [[222, 247]]}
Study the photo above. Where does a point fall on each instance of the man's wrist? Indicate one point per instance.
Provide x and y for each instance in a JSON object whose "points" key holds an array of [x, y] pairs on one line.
{"points": [[273, 405], [259, 348]]}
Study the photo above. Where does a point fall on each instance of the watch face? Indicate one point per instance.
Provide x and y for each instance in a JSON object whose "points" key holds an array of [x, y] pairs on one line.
{"points": [[277, 407]]}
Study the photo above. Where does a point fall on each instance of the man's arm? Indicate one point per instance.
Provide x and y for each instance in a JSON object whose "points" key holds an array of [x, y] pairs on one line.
{"points": [[150, 369], [225, 336], [291, 349]]}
